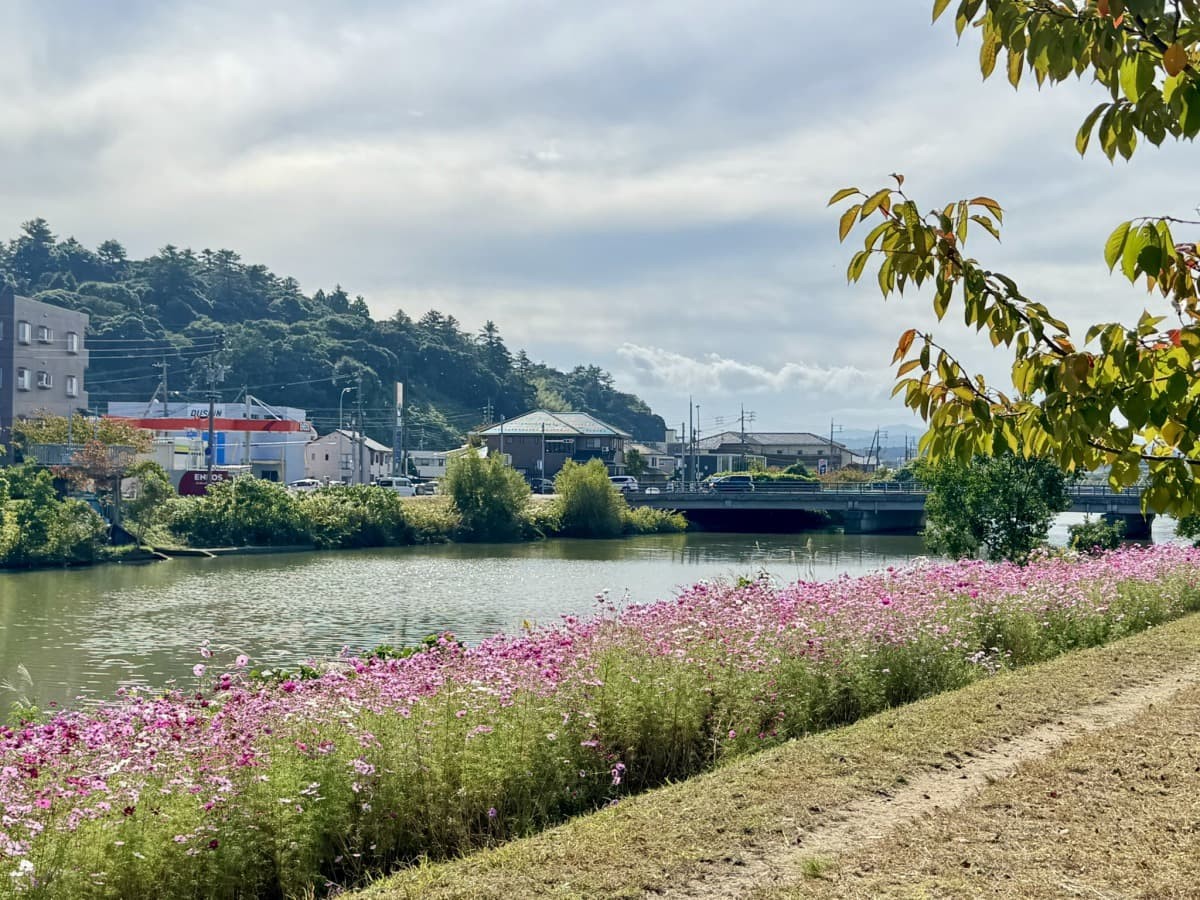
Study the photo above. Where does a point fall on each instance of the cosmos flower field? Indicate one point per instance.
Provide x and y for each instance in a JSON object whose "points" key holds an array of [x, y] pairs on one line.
{"points": [[245, 787]]}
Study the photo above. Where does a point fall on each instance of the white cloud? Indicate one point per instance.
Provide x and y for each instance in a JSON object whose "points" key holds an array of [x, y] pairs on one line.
{"points": [[715, 375]]}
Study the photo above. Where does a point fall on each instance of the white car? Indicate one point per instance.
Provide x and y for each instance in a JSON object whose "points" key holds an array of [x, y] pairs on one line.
{"points": [[624, 483], [304, 485], [401, 484]]}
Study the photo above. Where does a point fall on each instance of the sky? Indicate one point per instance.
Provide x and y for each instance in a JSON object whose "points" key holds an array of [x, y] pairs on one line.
{"points": [[640, 185]]}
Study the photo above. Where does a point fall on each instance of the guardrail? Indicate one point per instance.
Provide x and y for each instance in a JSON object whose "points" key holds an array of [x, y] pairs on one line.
{"points": [[873, 488], [65, 454]]}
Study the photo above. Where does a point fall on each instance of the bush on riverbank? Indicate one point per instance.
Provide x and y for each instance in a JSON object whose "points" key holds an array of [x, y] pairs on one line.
{"points": [[39, 529], [489, 495], [241, 788], [589, 505]]}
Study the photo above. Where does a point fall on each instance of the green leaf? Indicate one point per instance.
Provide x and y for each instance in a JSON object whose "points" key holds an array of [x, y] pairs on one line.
{"points": [[847, 221], [1115, 245], [939, 7], [987, 224], [873, 202], [842, 195], [1137, 242], [1189, 122], [1084, 137]]}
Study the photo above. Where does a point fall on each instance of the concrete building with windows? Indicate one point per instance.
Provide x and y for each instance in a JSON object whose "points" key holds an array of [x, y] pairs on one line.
{"points": [[42, 360], [539, 443], [331, 458]]}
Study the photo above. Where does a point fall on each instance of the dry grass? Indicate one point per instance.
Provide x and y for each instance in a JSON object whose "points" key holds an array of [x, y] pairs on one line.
{"points": [[676, 835], [1112, 814]]}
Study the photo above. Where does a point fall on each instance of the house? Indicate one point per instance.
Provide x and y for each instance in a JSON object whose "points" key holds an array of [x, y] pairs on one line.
{"points": [[539, 443], [332, 458], [42, 360], [654, 454], [431, 464], [731, 451]]}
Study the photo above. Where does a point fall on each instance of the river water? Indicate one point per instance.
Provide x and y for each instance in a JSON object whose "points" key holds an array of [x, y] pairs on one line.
{"points": [[86, 632]]}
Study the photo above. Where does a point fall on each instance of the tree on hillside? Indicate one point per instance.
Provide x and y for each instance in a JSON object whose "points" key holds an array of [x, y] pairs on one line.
{"points": [[1127, 396], [1002, 504]]}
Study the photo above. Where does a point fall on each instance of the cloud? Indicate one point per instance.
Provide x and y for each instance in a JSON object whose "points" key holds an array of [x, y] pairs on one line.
{"points": [[715, 375]]}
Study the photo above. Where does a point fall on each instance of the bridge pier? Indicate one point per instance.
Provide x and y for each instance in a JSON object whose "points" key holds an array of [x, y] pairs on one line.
{"points": [[1137, 526], [883, 521]]}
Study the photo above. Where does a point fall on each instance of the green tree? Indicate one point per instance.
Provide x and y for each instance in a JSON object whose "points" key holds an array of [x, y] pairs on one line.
{"points": [[489, 495], [1001, 504], [149, 506], [635, 463], [589, 504], [1127, 395]]}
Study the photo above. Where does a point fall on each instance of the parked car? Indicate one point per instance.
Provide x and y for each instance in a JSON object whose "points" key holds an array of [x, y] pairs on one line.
{"points": [[732, 483], [425, 488], [401, 484], [304, 485], [542, 485], [624, 483]]}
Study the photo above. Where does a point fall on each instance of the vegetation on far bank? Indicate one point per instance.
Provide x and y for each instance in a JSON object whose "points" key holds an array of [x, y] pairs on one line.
{"points": [[240, 787], [486, 501]]}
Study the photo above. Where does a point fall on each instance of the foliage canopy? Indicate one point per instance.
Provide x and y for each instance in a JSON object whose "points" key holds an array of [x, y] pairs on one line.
{"points": [[1127, 396], [1002, 504]]}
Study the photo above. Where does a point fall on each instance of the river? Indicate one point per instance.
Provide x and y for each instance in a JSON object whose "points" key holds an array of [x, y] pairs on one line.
{"points": [[86, 632]]}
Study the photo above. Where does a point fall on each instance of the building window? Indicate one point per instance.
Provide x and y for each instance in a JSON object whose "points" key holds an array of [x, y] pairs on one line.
{"points": [[72, 385], [45, 380], [45, 335], [326, 457], [23, 383], [24, 333], [72, 342]]}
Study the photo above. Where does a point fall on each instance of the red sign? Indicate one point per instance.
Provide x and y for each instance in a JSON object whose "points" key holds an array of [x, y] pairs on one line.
{"points": [[194, 482]]}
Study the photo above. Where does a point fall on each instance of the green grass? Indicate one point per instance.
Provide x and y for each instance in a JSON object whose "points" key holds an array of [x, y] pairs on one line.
{"points": [[672, 835]]}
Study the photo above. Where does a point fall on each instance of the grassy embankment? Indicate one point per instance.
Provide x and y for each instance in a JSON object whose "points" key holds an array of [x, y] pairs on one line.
{"points": [[245, 788], [1108, 814]]}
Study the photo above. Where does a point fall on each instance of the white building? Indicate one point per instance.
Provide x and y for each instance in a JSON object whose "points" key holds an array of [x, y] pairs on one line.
{"points": [[331, 458], [269, 440], [431, 464]]}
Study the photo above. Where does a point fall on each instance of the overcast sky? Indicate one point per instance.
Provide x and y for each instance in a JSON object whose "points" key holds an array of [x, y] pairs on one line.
{"points": [[640, 185]]}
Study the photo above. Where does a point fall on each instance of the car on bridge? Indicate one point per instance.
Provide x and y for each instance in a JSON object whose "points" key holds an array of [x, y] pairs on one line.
{"points": [[732, 483]]}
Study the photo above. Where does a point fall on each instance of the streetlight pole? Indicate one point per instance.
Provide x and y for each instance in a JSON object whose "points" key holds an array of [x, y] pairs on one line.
{"points": [[341, 399]]}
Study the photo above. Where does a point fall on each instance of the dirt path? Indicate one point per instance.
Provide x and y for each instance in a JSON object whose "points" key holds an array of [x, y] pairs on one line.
{"points": [[945, 786]]}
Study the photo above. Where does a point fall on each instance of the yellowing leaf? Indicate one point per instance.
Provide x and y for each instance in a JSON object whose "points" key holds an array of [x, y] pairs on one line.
{"points": [[847, 221], [842, 195], [1175, 59]]}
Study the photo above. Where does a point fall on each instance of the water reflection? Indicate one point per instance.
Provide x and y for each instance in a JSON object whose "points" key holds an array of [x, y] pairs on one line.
{"points": [[89, 631]]}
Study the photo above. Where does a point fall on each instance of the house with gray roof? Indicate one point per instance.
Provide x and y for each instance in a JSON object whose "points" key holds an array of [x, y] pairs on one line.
{"points": [[539, 443]]}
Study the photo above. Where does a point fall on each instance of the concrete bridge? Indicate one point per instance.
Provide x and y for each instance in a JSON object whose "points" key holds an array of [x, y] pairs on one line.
{"points": [[861, 507]]}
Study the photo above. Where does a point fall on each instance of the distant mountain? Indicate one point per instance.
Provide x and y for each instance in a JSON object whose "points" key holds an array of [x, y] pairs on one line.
{"points": [[183, 312]]}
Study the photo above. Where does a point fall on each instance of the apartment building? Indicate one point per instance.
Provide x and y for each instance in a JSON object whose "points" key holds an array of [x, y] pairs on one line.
{"points": [[42, 360]]}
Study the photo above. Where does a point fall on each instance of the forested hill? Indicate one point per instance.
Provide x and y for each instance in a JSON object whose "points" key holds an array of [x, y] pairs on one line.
{"points": [[289, 348]]}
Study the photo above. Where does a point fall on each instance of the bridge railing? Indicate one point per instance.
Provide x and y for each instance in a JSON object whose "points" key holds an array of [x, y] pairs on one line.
{"points": [[872, 488]]}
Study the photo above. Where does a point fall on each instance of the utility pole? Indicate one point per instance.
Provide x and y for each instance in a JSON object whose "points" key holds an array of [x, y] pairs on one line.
{"points": [[358, 433], [501, 435], [246, 416], [543, 451], [397, 445], [690, 457], [832, 427]]}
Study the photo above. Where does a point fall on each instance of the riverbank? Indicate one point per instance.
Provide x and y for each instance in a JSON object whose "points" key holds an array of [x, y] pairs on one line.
{"points": [[275, 787], [1020, 785]]}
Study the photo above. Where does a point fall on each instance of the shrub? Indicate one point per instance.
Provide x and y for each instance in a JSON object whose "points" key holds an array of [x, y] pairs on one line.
{"points": [[489, 495], [589, 504], [433, 520], [39, 529], [1095, 536], [646, 520], [244, 511], [344, 516]]}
